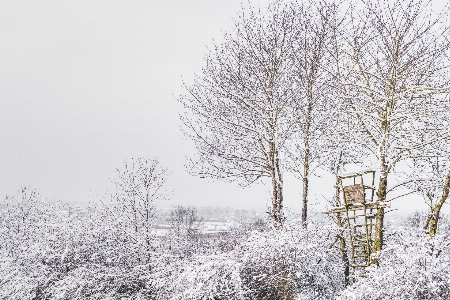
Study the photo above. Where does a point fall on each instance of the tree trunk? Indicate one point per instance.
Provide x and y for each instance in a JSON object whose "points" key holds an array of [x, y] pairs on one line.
{"points": [[286, 285], [432, 220], [345, 260], [379, 219], [277, 191], [136, 230], [279, 188], [274, 199], [305, 189], [343, 246], [147, 228], [306, 158]]}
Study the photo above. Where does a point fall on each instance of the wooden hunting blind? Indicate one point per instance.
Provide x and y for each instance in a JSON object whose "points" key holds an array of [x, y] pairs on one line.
{"points": [[359, 211]]}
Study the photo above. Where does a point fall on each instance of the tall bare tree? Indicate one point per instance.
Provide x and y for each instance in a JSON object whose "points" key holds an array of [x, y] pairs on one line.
{"points": [[391, 66], [316, 110], [238, 112]]}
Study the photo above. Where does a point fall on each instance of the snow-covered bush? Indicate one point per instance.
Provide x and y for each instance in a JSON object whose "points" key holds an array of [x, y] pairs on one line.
{"points": [[291, 262], [63, 251], [412, 266], [285, 263], [208, 277]]}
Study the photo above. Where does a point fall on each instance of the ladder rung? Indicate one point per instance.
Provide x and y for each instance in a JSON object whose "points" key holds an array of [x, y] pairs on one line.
{"points": [[358, 242], [361, 241], [372, 187], [360, 236], [361, 255], [368, 215], [361, 225], [360, 266], [365, 245]]}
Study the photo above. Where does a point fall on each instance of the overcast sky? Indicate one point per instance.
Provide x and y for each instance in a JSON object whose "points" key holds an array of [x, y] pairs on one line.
{"points": [[85, 85]]}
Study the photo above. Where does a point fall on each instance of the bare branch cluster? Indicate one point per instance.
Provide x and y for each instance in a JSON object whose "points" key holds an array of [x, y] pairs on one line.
{"points": [[303, 83]]}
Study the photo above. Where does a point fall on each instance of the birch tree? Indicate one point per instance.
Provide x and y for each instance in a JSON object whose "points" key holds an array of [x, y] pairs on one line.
{"points": [[238, 111], [391, 66], [316, 111]]}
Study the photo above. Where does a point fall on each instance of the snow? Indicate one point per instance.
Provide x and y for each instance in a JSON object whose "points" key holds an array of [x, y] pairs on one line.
{"points": [[72, 258]]}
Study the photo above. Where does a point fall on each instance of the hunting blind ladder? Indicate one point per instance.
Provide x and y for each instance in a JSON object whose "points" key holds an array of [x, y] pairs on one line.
{"points": [[359, 214]]}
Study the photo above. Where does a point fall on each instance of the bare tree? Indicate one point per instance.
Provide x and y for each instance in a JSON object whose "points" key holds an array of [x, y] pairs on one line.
{"points": [[431, 178], [139, 186], [19, 216], [436, 201], [316, 111], [185, 220], [391, 68], [238, 112], [186, 227]]}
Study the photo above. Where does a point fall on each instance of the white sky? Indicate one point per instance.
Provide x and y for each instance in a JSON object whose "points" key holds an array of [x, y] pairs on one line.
{"points": [[85, 85]]}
